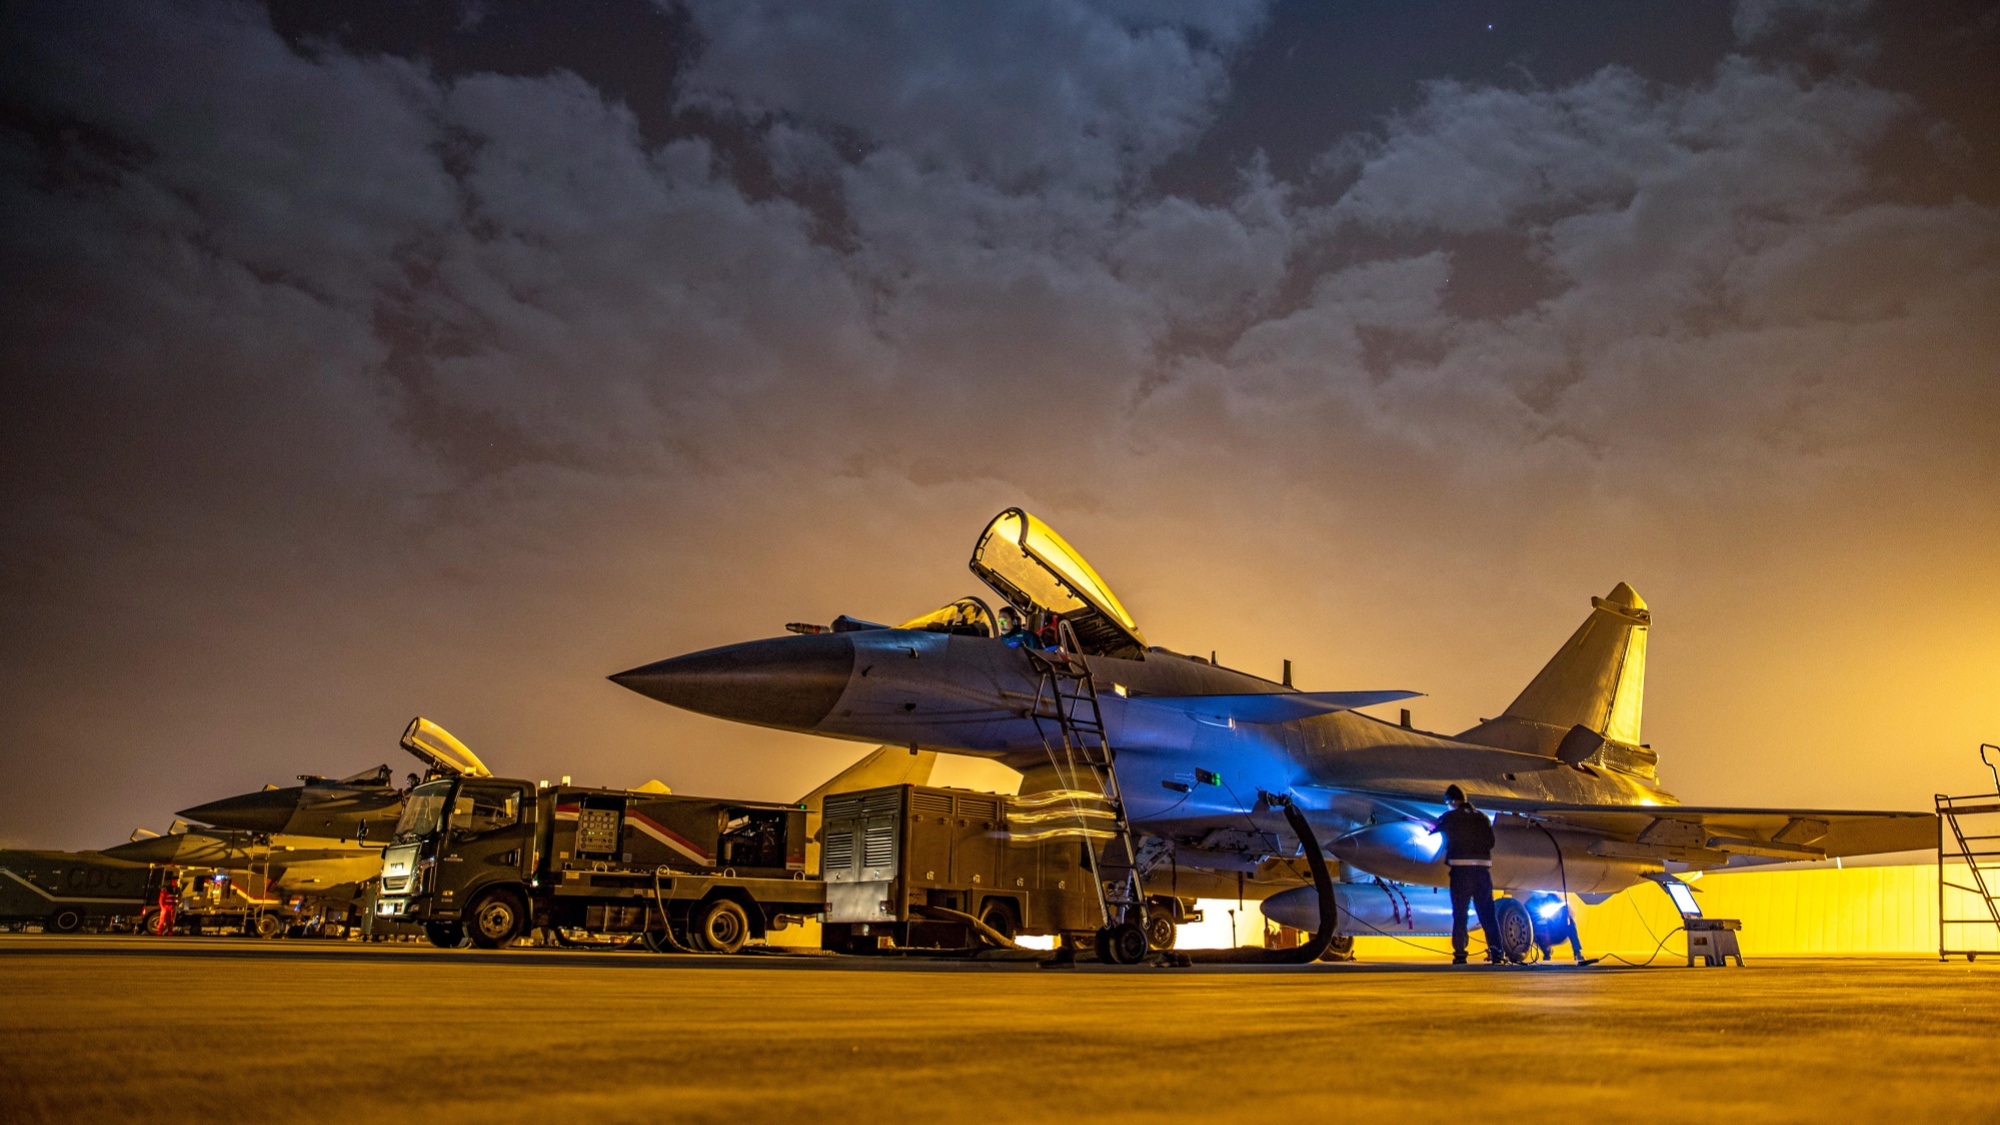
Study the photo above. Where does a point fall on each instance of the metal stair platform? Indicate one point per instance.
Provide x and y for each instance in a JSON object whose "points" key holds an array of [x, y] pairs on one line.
{"points": [[1969, 862]]}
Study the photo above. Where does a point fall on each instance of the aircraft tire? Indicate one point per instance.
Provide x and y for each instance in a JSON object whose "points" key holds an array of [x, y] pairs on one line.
{"points": [[1161, 933], [722, 927], [445, 935], [496, 919], [1122, 944], [66, 920], [1516, 928]]}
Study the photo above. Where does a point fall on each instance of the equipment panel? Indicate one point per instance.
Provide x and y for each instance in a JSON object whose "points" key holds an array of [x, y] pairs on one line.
{"points": [[597, 831]]}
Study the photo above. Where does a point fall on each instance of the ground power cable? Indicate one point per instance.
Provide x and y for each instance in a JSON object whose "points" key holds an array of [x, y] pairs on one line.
{"points": [[1659, 945]]}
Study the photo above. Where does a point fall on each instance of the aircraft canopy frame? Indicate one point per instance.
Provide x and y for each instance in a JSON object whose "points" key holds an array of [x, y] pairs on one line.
{"points": [[435, 747], [1029, 565]]}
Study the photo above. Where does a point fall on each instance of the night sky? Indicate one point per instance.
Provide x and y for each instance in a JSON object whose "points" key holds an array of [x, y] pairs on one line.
{"points": [[365, 360]]}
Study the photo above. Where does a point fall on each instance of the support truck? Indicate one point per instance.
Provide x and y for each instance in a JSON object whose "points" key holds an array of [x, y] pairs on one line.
{"points": [[486, 859]]}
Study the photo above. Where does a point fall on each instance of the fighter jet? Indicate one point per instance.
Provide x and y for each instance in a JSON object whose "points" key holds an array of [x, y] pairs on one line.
{"points": [[1204, 761], [322, 877], [362, 807], [319, 842]]}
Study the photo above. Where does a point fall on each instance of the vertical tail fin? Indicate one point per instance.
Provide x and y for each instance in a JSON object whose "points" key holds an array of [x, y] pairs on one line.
{"points": [[1598, 678], [1597, 681]]}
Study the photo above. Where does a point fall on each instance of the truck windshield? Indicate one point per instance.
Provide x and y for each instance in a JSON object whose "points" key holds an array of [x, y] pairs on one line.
{"points": [[424, 812]]}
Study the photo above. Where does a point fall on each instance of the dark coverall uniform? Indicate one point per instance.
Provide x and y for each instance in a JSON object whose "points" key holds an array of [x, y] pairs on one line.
{"points": [[1468, 851]]}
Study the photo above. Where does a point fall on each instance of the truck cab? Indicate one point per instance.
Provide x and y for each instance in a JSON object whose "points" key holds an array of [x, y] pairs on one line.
{"points": [[463, 859]]}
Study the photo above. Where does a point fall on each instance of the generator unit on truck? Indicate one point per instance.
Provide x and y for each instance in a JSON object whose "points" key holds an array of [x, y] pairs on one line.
{"points": [[918, 867], [487, 859]]}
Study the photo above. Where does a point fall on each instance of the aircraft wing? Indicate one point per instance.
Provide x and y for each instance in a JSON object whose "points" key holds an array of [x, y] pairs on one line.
{"points": [[1735, 834], [1273, 707]]}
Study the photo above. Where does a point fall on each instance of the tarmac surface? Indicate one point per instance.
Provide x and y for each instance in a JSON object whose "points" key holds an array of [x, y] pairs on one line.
{"points": [[139, 1029]]}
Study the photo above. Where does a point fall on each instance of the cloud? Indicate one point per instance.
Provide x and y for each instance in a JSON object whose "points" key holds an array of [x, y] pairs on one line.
{"points": [[338, 388], [1077, 92], [1482, 158]]}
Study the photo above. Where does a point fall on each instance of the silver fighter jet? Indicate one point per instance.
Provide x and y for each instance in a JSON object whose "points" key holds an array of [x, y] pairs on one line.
{"points": [[1204, 760]]}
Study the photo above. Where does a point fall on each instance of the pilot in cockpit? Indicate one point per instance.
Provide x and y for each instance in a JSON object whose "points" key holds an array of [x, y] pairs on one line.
{"points": [[1014, 631], [1007, 626]]}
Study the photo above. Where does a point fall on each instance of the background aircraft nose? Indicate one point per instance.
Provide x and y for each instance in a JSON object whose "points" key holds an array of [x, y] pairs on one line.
{"points": [[269, 811], [790, 682]]}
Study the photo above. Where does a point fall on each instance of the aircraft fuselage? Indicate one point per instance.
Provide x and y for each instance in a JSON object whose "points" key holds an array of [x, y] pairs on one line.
{"points": [[1184, 776]]}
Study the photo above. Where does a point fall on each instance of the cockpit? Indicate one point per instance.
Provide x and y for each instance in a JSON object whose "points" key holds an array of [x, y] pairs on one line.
{"points": [[1048, 595], [966, 617]]}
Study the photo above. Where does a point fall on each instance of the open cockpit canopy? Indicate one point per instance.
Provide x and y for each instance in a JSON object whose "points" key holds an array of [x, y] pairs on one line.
{"points": [[1029, 565], [443, 754]]}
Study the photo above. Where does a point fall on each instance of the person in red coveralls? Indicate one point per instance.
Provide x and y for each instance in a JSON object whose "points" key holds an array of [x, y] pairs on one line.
{"points": [[169, 902]]}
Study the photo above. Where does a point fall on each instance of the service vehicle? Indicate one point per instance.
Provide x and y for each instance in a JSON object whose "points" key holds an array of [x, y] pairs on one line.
{"points": [[921, 867], [486, 860]]}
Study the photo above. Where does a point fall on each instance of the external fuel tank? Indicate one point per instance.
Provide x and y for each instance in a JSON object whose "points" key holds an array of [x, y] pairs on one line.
{"points": [[1526, 856]]}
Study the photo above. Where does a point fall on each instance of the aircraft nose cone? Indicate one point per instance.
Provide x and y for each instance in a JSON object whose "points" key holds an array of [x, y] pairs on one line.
{"points": [[788, 682], [268, 811]]}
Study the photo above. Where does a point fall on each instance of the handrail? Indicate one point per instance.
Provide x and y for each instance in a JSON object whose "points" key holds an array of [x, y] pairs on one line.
{"points": [[1950, 832]]}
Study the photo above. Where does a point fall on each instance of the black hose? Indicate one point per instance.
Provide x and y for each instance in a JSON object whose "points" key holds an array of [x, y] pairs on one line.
{"points": [[666, 923], [1562, 870], [1329, 909]]}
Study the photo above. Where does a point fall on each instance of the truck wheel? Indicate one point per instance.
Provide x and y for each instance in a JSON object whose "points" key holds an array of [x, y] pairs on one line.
{"points": [[497, 919], [445, 935], [268, 926], [66, 920], [998, 914], [723, 926], [1161, 933]]}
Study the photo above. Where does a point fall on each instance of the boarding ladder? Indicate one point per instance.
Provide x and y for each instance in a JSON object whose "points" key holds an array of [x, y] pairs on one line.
{"points": [[1969, 848], [1066, 700]]}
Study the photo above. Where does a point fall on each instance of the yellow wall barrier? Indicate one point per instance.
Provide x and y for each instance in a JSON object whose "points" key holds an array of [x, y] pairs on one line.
{"points": [[1824, 911]]}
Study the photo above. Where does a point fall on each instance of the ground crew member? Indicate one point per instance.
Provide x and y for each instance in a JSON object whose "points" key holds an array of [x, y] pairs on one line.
{"points": [[168, 903], [1554, 923], [1468, 852]]}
